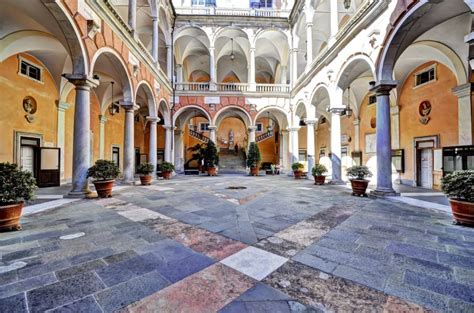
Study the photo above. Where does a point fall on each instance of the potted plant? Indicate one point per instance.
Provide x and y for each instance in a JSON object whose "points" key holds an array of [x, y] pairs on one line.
{"points": [[211, 158], [318, 171], [359, 183], [104, 173], [166, 169], [459, 188], [253, 158], [145, 169], [297, 168], [16, 186]]}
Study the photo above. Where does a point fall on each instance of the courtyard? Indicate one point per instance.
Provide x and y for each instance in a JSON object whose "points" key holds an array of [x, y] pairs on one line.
{"points": [[235, 243]]}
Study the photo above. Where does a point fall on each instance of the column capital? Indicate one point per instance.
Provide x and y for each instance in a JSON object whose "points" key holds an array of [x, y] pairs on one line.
{"points": [[309, 24], [311, 121], [293, 129], [82, 80], [252, 128], [356, 122], [212, 128], [168, 127], [462, 91], [383, 87], [153, 119], [129, 106], [102, 119], [62, 106]]}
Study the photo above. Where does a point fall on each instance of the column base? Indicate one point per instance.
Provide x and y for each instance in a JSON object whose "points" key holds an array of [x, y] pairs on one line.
{"points": [[337, 182], [78, 194], [128, 182], [384, 192]]}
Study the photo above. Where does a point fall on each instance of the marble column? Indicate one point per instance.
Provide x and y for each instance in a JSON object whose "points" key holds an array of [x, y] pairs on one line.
{"points": [[168, 142], [309, 45], [283, 75], [286, 149], [336, 149], [152, 154], [294, 144], [62, 108], [169, 62], [81, 138], [251, 79], [102, 120], [212, 68], [383, 139], [132, 14], [179, 73], [294, 66], [334, 21], [356, 124], [212, 133], [310, 144], [155, 39], [252, 131], [129, 142], [465, 125], [179, 150]]}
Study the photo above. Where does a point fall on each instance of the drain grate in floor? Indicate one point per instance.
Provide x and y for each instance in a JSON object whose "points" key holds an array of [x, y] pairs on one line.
{"points": [[236, 187]]}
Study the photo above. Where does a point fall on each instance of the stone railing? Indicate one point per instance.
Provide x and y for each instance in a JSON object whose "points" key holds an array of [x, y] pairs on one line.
{"points": [[264, 136], [240, 87], [232, 12], [192, 86], [280, 88], [198, 136]]}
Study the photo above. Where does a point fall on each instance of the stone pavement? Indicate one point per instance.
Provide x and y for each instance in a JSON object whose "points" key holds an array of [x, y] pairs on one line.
{"points": [[237, 244]]}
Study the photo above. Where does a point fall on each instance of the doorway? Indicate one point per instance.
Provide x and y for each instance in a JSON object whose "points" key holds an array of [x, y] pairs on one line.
{"points": [[424, 147], [28, 154]]}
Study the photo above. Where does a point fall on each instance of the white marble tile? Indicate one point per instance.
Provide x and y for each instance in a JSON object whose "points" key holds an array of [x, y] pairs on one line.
{"points": [[254, 262], [72, 236], [142, 214], [36, 208], [422, 204], [12, 267], [158, 188]]}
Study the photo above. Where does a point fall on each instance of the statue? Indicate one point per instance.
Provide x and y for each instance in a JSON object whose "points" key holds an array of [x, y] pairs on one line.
{"points": [[231, 139]]}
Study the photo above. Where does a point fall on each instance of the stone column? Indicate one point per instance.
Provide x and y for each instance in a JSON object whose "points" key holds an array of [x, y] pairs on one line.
{"points": [[285, 148], [179, 150], [395, 128], [283, 77], [294, 66], [310, 144], [294, 144], [81, 138], [129, 142], [334, 21], [62, 108], [155, 39], [102, 120], [309, 45], [336, 149], [356, 124], [251, 79], [179, 73], [132, 14], [169, 62], [252, 130], [465, 126], [212, 68], [168, 142], [212, 133], [384, 142], [153, 120]]}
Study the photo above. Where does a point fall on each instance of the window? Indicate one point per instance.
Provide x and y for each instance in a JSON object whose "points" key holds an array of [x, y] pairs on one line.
{"points": [[372, 99], [425, 76], [204, 127], [205, 3], [29, 70], [259, 127], [261, 4], [116, 155]]}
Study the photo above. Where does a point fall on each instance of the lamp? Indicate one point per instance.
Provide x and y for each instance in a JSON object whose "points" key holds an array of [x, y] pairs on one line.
{"points": [[270, 126], [343, 110], [113, 108], [347, 4], [232, 55]]}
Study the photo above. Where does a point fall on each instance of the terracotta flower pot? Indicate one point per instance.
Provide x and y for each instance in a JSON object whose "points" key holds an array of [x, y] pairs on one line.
{"points": [[146, 180], [10, 216], [359, 187], [297, 174], [211, 171], [254, 171], [104, 188], [319, 180], [463, 211], [166, 175]]}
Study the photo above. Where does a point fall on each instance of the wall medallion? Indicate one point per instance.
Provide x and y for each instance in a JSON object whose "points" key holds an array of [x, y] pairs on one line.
{"points": [[30, 106], [373, 122], [424, 110]]}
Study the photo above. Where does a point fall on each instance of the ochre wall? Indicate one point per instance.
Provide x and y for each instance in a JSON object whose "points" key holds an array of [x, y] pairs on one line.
{"points": [[114, 134], [323, 139], [237, 126], [367, 113], [269, 149], [13, 89], [443, 117]]}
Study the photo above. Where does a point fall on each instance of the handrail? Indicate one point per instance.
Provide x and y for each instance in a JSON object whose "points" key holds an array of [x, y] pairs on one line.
{"points": [[264, 136], [198, 136], [192, 86], [233, 11], [232, 87], [273, 88]]}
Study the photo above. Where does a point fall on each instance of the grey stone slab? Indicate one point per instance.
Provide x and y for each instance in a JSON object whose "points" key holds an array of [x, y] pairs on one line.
{"points": [[92, 255], [263, 292], [234, 307], [423, 266], [86, 305], [361, 277], [464, 276], [315, 262], [336, 244], [455, 305], [328, 254], [169, 250], [456, 260], [120, 295], [14, 304], [8, 277], [27, 284], [267, 306], [22, 254], [60, 293], [39, 269], [412, 251], [441, 286], [81, 268], [119, 257], [179, 269]]}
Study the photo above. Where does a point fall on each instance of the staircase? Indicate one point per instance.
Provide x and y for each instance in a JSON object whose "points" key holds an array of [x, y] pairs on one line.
{"points": [[229, 163], [198, 136], [264, 136]]}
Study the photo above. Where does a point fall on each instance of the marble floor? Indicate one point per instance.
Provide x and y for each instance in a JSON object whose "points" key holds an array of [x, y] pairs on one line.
{"points": [[237, 244]]}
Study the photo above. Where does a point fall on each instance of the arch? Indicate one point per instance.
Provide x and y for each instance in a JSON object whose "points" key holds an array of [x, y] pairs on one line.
{"points": [[178, 113], [301, 110], [164, 108], [120, 67], [352, 68], [152, 107], [412, 25], [319, 97], [275, 109], [262, 32], [244, 115]]}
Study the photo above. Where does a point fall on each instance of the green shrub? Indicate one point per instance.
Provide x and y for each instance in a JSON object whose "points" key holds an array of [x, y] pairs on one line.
{"points": [[103, 170], [297, 166], [359, 172], [167, 167], [254, 157], [459, 185], [211, 158], [319, 170], [145, 168], [16, 185]]}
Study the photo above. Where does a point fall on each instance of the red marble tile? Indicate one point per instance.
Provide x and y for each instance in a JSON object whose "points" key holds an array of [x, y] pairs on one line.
{"points": [[206, 291], [397, 305]]}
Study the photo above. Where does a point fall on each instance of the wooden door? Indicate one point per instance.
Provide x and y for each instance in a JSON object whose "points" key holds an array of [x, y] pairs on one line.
{"points": [[49, 165], [426, 168]]}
